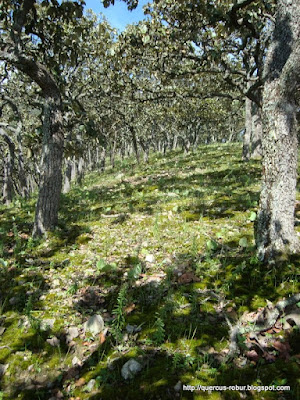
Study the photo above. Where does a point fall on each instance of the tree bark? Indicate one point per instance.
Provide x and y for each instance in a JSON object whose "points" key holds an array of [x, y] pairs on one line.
{"points": [[67, 178], [275, 234], [248, 131], [46, 214], [256, 134], [8, 185]]}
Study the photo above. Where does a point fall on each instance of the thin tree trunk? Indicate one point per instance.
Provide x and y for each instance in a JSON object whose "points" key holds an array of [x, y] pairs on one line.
{"points": [[275, 234], [67, 178], [135, 144], [46, 215], [248, 131], [256, 137]]}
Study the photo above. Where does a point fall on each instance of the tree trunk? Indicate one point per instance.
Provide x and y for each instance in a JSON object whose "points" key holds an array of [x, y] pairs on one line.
{"points": [[67, 178], [135, 144], [46, 215], [248, 131], [256, 136], [275, 234], [8, 184]]}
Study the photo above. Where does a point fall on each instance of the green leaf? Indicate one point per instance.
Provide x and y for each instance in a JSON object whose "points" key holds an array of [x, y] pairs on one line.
{"points": [[146, 39], [135, 272], [101, 264], [143, 29], [3, 263], [211, 245], [243, 242], [252, 217]]}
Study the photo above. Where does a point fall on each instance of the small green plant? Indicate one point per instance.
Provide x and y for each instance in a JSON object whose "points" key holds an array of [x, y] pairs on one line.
{"points": [[181, 361], [176, 361], [118, 323], [241, 340], [194, 247], [18, 243], [103, 266], [73, 288], [35, 323], [134, 273], [159, 334]]}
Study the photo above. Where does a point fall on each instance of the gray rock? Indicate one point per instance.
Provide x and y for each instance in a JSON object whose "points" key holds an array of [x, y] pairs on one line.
{"points": [[54, 342], [150, 258], [13, 300], [3, 368], [76, 361], [90, 386], [133, 328], [72, 333], [2, 330], [94, 324], [47, 323], [178, 386], [130, 369]]}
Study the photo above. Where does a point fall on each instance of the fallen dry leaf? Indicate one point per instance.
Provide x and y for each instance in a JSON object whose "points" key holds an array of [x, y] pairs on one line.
{"points": [[102, 337], [80, 382], [187, 277], [283, 348], [269, 357], [252, 355], [129, 308]]}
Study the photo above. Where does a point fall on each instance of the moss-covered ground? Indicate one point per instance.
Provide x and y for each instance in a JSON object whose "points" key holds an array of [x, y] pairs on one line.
{"points": [[143, 246]]}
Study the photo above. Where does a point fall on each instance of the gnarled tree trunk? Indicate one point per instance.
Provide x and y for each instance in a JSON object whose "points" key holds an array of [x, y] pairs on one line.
{"points": [[275, 232]]}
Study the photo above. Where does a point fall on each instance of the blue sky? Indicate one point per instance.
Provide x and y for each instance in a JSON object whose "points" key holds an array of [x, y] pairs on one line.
{"points": [[118, 16]]}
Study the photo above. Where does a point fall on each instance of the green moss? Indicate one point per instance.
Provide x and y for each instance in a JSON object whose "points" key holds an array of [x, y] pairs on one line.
{"points": [[189, 216]]}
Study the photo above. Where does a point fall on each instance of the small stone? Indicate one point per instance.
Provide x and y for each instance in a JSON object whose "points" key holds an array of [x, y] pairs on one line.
{"points": [[130, 369], [56, 282], [94, 324], [178, 386], [47, 323], [150, 258], [133, 328], [72, 333], [54, 342], [3, 368], [2, 330], [43, 297], [90, 385], [76, 361], [13, 300]]}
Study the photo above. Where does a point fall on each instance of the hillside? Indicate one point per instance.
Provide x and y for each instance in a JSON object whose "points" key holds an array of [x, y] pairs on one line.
{"points": [[164, 253]]}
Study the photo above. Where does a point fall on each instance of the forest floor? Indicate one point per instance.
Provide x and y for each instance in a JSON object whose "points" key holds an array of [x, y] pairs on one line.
{"points": [[164, 253]]}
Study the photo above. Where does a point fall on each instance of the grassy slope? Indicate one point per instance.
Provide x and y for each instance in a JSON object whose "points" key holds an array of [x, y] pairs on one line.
{"points": [[186, 213]]}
